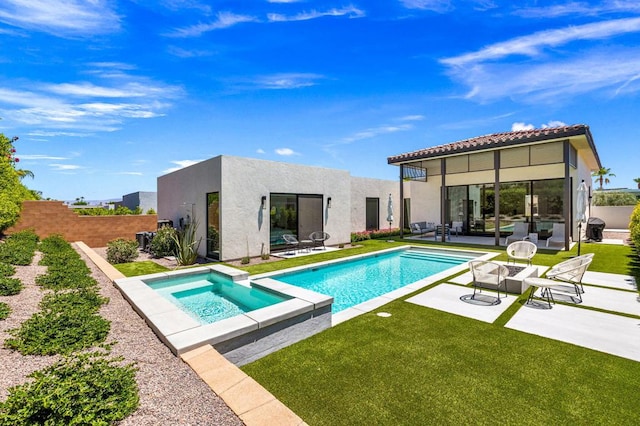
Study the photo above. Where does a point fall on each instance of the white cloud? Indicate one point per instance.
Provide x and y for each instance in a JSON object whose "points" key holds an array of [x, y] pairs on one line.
{"points": [[181, 164], [286, 152], [377, 131], [288, 80], [130, 173], [517, 126], [61, 18], [65, 167], [223, 20], [283, 1], [260, 151], [42, 133], [578, 8], [439, 6], [38, 157], [531, 45], [416, 117], [350, 11]]}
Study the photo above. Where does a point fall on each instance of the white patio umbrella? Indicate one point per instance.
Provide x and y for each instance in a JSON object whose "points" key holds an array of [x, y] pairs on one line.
{"points": [[390, 211], [581, 209]]}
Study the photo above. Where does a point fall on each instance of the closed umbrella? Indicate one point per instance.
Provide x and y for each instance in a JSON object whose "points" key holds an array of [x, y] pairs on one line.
{"points": [[390, 211], [581, 209]]}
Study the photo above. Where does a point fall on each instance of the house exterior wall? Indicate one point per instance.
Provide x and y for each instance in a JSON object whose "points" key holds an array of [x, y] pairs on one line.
{"points": [[242, 182], [144, 200], [363, 188], [425, 199]]}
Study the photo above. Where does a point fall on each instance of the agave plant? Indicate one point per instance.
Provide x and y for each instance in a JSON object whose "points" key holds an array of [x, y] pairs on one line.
{"points": [[187, 244]]}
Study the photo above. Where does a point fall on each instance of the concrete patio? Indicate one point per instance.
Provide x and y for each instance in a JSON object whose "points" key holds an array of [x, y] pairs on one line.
{"points": [[600, 322]]}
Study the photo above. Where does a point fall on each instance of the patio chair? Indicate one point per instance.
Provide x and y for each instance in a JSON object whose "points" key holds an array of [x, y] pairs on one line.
{"points": [[557, 234], [457, 227], [440, 229], [319, 238], [571, 271], [488, 275], [568, 272], [292, 242], [520, 232], [521, 250]]}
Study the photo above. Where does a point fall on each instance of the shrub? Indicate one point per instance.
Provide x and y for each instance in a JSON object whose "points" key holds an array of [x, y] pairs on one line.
{"points": [[86, 389], [187, 245], [367, 235], [151, 211], [58, 332], [10, 286], [613, 199], [5, 310], [6, 270], [634, 228], [122, 251], [164, 244]]}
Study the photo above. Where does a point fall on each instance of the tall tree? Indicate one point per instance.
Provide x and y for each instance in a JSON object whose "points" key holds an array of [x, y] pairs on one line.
{"points": [[12, 191], [602, 176]]}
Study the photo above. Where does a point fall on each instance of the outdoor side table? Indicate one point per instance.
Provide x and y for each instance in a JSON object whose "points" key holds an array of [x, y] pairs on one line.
{"points": [[306, 245]]}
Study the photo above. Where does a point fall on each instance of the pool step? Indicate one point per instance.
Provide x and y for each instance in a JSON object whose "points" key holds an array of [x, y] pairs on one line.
{"points": [[429, 256]]}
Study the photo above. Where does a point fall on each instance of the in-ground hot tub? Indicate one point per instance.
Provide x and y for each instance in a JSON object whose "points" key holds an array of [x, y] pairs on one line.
{"points": [[218, 305]]}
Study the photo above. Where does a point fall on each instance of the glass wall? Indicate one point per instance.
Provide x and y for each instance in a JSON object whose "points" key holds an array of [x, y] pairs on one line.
{"points": [[539, 203], [283, 217], [213, 225]]}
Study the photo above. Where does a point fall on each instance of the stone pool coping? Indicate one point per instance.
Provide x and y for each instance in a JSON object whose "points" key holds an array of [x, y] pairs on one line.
{"points": [[376, 302], [181, 332]]}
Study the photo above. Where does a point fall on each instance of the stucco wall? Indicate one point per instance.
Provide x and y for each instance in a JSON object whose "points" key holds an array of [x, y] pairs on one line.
{"points": [[144, 200], [363, 188], [615, 217], [53, 217]]}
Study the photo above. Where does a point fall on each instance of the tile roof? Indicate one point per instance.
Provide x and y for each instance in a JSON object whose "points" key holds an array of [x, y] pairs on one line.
{"points": [[494, 140]]}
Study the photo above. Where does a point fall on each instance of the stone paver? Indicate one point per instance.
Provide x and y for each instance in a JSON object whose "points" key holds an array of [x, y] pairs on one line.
{"points": [[446, 297]]}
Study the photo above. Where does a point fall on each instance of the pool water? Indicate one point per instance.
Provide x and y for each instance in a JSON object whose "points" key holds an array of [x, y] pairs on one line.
{"points": [[209, 298], [356, 281]]}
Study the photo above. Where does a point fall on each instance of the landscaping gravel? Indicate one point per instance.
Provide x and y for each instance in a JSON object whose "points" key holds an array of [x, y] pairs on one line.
{"points": [[170, 392]]}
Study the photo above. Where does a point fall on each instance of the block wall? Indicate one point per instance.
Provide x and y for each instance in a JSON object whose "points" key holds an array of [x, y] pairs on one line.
{"points": [[53, 217]]}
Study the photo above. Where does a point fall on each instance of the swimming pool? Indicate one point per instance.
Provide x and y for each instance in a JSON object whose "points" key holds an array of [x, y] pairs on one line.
{"points": [[209, 297], [355, 281]]}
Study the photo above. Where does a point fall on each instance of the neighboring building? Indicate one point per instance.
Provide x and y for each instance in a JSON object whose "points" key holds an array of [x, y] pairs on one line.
{"points": [[490, 182], [144, 200], [243, 206]]}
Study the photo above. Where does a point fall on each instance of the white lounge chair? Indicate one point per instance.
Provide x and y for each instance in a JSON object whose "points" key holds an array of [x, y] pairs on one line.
{"points": [[440, 229], [557, 234], [488, 275], [521, 250], [457, 227], [520, 232]]}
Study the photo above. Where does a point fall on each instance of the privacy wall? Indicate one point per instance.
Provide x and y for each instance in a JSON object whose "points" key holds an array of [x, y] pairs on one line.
{"points": [[53, 217]]}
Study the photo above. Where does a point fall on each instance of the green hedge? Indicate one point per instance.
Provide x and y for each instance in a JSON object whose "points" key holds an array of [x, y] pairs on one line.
{"points": [[372, 235], [634, 228]]}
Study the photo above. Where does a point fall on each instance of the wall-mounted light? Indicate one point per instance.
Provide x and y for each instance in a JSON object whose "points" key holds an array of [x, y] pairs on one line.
{"points": [[328, 202], [263, 202]]}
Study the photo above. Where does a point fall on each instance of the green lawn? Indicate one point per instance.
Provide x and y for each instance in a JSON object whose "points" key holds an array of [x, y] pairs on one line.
{"points": [[422, 366]]}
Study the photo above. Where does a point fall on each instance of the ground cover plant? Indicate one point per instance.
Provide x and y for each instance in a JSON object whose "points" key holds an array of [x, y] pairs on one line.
{"points": [[82, 388], [5, 310], [85, 389], [10, 286], [18, 248], [423, 366], [6, 270]]}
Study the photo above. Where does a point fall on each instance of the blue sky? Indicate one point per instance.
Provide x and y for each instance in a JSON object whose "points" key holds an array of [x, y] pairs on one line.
{"points": [[108, 95]]}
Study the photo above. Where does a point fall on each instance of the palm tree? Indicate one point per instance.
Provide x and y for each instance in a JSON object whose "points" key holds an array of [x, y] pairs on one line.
{"points": [[602, 176], [637, 180]]}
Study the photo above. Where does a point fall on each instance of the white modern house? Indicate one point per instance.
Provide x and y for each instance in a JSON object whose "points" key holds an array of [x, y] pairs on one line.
{"points": [[243, 206], [489, 183]]}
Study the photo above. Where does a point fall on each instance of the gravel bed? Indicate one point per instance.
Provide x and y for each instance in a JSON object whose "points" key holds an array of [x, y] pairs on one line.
{"points": [[170, 392]]}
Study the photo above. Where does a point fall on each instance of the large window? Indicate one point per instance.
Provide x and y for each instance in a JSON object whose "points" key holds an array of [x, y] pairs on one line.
{"points": [[213, 225], [294, 214]]}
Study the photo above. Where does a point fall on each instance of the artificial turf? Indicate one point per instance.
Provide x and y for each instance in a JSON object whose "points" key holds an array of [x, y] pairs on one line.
{"points": [[423, 366]]}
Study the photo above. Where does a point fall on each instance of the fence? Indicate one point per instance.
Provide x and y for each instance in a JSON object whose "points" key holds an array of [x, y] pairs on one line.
{"points": [[53, 217]]}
